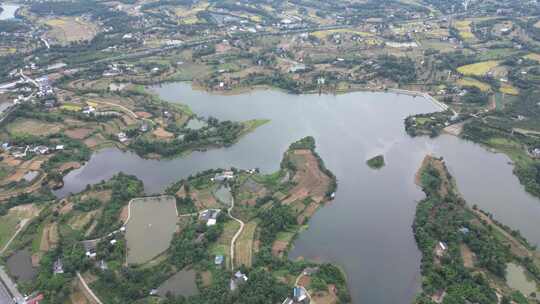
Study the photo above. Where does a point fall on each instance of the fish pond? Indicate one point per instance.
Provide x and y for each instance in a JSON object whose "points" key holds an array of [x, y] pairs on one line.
{"points": [[519, 279], [182, 283], [150, 227], [20, 266]]}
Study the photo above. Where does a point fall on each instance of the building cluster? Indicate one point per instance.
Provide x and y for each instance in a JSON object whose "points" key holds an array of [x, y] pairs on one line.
{"points": [[45, 88], [224, 176], [23, 151], [209, 216], [115, 69]]}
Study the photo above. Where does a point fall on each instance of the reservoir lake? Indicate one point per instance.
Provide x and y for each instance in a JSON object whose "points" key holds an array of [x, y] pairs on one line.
{"points": [[367, 228]]}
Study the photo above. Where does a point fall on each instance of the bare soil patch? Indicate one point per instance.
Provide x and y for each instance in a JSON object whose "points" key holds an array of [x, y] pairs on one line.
{"points": [[27, 210], [162, 133], [49, 238], [206, 277], [70, 29], [69, 166], [32, 126], [10, 160], [79, 133], [310, 180], [124, 214], [307, 212], [66, 208], [143, 114], [279, 247], [103, 196], [181, 193], [94, 141], [204, 199], [467, 255]]}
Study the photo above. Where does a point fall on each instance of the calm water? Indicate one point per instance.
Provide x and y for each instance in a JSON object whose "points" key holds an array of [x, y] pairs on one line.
{"points": [[150, 228], [519, 279], [367, 228], [20, 266], [183, 283], [9, 11]]}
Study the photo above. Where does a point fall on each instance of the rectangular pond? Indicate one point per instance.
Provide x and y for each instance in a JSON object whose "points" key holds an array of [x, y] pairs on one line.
{"points": [[150, 227]]}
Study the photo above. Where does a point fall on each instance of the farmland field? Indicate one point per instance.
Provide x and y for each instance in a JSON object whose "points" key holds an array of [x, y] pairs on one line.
{"points": [[509, 89], [244, 245], [326, 33], [479, 68], [464, 28], [471, 82], [66, 30], [31, 126], [533, 56]]}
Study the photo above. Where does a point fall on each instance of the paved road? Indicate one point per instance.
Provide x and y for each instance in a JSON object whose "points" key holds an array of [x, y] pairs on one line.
{"points": [[10, 286], [5, 296]]}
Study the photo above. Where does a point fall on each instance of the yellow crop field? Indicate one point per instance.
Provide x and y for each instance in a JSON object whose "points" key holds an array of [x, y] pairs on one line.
{"points": [[185, 13], [471, 82], [464, 28], [509, 89], [479, 68], [533, 56], [71, 107], [55, 22]]}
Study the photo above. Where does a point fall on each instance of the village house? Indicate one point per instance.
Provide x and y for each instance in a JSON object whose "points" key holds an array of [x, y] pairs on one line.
{"points": [[41, 150], [218, 260], [88, 110], [35, 300], [210, 216], [535, 152], [90, 248], [238, 279], [299, 296], [464, 230], [225, 175], [440, 249], [19, 152], [58, 266], [122, 137]]}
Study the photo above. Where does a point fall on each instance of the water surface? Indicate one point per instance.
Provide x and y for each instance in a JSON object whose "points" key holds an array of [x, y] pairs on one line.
{"points": [[9, 11], [180, 284], [150, 228], [367, 228], [519, 279], [20, 266]]}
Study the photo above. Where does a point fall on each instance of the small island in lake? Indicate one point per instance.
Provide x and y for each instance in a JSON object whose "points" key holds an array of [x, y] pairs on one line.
{"points": [[376, 162]]}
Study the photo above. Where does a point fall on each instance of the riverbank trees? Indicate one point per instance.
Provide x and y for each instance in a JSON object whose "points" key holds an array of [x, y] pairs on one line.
{"points": [[443, 226]]}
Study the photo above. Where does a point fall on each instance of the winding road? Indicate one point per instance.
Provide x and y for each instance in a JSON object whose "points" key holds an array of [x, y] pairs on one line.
{"points": [[22, 224], [88, 290], [237, 234]]}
